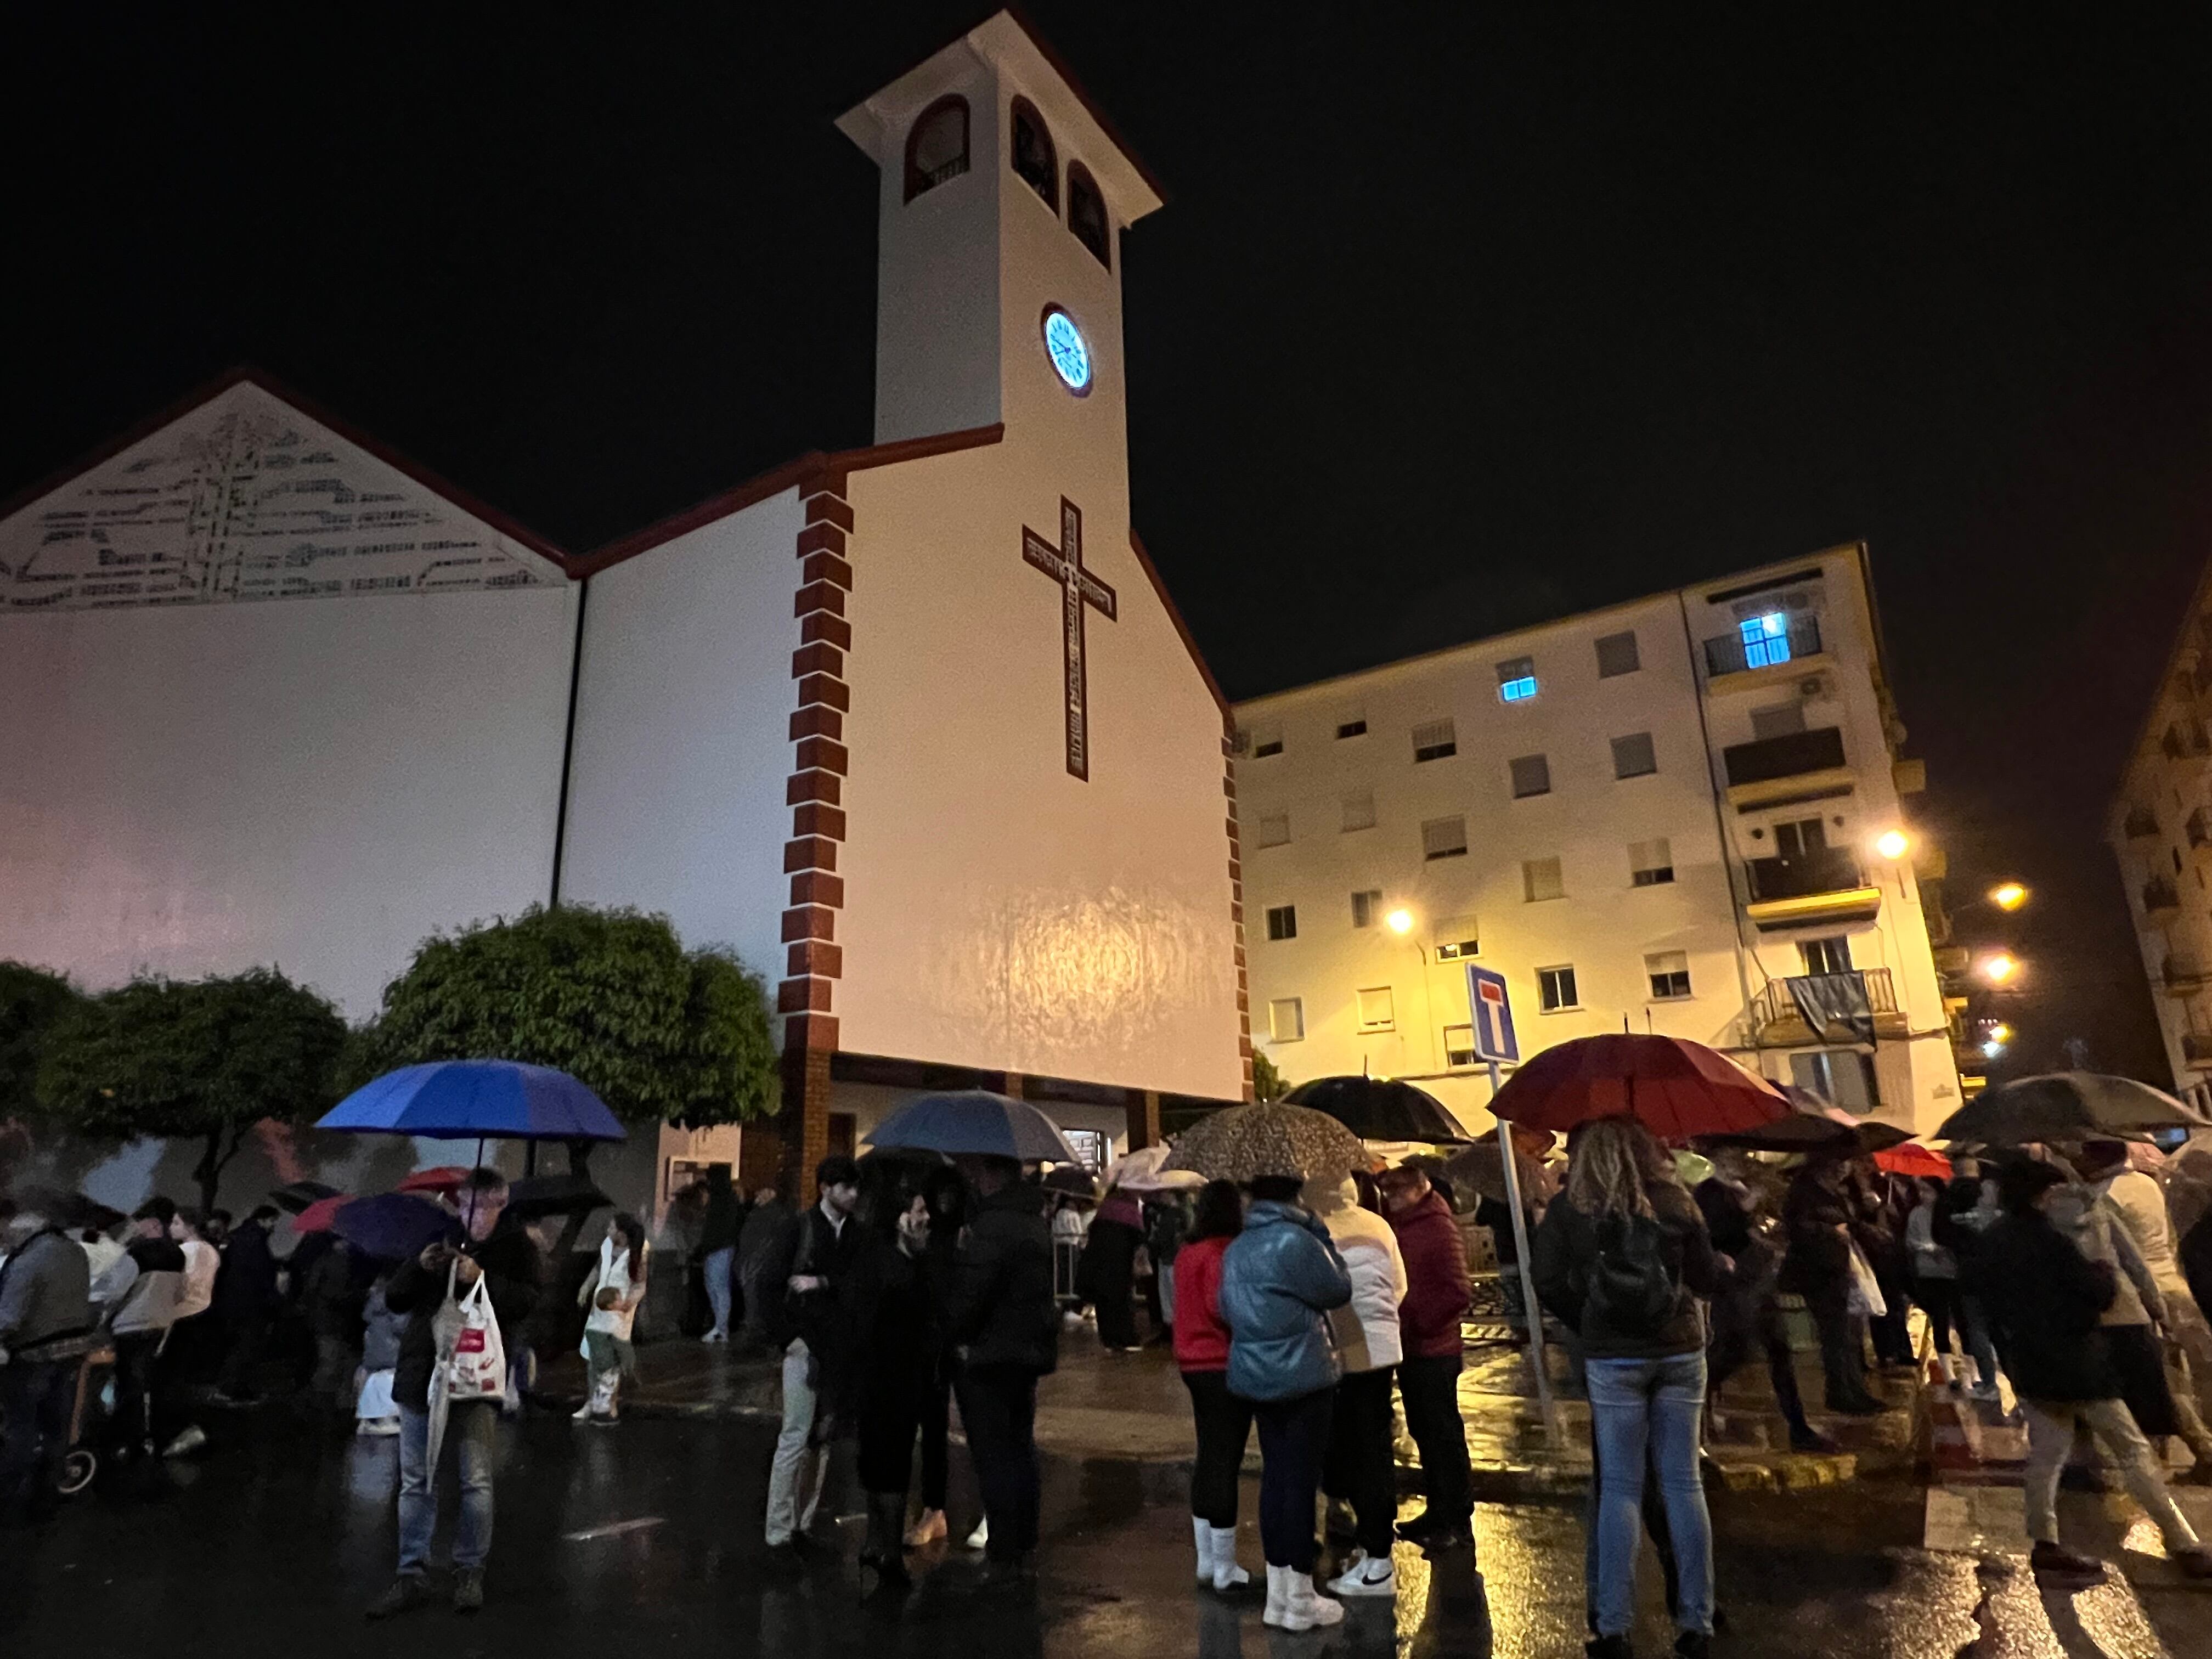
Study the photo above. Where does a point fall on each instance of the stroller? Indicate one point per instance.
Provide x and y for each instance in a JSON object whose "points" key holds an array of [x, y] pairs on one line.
{"points": [[90, 1352]]}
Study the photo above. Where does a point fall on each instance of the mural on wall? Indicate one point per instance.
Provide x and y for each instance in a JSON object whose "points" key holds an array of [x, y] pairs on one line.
{"points": [[245, 498]]}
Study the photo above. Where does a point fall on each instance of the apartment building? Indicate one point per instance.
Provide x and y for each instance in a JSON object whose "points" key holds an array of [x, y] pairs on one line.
{"points": [[1681, 815], [2160, 830]]}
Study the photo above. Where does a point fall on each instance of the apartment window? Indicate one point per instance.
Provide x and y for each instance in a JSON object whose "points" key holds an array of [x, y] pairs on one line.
{"points": [[1359, 810], [1633, 756], [1842, 1076], [1801, 838], [1555, 989], [1367, 907], [1670, 971], [1375, 1013], [1267, 743], [1540, 879], [1827, 956], [1517, 679], [1459, 1045], [1283, 921], [1434, 740], [1444, 838], [1273, 829], [1650, 863], [1532, 775], [1352, 729], [1765, 639], [1457, 937], [1616, 655], [1286, 1020]]}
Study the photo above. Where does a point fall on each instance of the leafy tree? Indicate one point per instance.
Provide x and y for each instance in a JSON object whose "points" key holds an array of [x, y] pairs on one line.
{"points": [[202, 1060], [1267, 1082], [610, 996], [32, 1000]]}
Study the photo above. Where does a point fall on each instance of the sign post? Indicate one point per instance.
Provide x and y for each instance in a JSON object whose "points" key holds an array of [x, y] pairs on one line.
{"points": [[1497, 1042]]}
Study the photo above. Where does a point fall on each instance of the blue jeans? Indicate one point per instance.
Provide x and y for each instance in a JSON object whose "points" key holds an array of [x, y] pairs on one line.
{"points": [[468, 1431], [1639, 1406], [717, 1270], [36, 1397]]}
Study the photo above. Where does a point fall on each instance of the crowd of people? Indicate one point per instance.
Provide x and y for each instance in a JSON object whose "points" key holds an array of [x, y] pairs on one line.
{"points": [[1310, 1310]]}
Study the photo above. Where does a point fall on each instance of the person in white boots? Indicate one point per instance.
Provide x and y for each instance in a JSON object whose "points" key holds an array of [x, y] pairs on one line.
{"points": [[1279, 1281], [1360, 1468], [1224, 1421]]}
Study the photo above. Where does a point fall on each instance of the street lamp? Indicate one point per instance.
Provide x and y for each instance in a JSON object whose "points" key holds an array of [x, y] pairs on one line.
{"points": [[1399, 922], [2000, 1033], [1892, 844], [2008, 895], [2000, 967]]}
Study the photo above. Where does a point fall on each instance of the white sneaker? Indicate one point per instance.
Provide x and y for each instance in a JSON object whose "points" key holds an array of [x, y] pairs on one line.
{"points": [[981, 1538], [378, 1428], [1202, 1537], [716, 1336], [582, 1413], [1278, 1596], [928, 1528], [1367, 1576], [191, 1440], [1304, 1606], [1227, 1574]]}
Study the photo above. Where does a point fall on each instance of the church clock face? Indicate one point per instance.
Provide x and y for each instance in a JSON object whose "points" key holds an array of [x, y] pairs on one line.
{"points": [[1069, 351]]}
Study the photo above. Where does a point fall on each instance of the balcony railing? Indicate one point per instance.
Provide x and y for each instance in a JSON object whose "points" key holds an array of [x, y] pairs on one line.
{"points": [[1774, 1005], [2158, 894], [1786, 757], [1728, 653], [2196, 1046], [1828, 870], [2142, 820]]}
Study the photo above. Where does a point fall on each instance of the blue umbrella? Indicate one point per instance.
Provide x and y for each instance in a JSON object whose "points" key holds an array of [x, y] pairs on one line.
{"points": [[394, 1227], [978, 1124], [489, 1099]]}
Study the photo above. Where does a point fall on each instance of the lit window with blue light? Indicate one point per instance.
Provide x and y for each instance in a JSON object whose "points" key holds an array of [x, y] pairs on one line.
{"points": [[1766, 640], [1516, 680]]}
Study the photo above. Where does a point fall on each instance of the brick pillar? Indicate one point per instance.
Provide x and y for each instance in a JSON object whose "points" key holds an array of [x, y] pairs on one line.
{"points": [[1010, 1085], [1143, 1106], [802, 1126]]}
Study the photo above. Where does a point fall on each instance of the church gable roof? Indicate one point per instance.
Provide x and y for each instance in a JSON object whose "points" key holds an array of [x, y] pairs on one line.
{"points": [[244, 493]]}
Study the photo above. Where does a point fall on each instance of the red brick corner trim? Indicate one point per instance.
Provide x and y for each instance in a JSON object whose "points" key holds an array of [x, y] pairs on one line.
{"points": [[1237, 902]]}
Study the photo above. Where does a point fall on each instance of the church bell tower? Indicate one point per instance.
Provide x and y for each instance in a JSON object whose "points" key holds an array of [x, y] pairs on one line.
{"points": [[1004, 194]]}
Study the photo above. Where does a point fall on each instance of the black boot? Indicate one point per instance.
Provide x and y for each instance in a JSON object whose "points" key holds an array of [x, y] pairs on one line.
{"points": [[885, 1550]]}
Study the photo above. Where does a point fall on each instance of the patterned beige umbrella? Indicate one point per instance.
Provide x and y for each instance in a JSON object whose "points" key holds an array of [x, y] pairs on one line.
{"points": [[1246, 1142]]}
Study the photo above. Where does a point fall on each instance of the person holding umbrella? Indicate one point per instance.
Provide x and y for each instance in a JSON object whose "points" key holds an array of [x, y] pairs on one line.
{"points": [[505, 1262]]}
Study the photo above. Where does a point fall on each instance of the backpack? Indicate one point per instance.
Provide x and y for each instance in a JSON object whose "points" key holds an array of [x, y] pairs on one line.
{"points": [[1630, 1292]]}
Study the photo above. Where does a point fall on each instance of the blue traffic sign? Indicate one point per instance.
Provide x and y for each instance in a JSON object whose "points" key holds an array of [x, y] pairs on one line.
{"points": [[1494, 1039]]}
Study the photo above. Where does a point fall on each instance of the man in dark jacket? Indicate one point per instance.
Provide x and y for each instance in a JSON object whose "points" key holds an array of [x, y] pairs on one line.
{"points": [[810, 1325], [1436, 1298], [1001, 1318], [506, 1260], [44, 1298], [2046, 1299], [245, 1302], [718, 1248], [1817, 1214], [766, 1245]]}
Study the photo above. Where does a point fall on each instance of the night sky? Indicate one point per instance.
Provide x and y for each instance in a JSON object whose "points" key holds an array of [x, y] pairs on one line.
{"points": [[1455, 320]]}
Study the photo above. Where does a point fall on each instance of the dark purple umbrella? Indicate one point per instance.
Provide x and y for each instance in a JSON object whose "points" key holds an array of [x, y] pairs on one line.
{"points": [[394, 1227]]}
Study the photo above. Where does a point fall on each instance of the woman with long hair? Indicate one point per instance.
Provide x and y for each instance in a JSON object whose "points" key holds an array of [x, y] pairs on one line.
{"points": [[1621, 1257], [613, 1292], [1202, 1346], [898, 1336]]}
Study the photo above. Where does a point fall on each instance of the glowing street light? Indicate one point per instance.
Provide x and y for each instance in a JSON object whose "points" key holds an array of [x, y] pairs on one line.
{"points": [[1992, 1049], [1892, 844], [2008, 895], [2000, 967], [1399, 922], [2000, 1033]]}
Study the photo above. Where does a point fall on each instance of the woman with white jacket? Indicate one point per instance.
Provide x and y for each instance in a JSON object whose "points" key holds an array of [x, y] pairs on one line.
{"points": [[1361, 1468]]}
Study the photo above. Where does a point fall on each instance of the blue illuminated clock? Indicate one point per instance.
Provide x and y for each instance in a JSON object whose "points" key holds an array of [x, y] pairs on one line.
{"points": [[1069, 351]]}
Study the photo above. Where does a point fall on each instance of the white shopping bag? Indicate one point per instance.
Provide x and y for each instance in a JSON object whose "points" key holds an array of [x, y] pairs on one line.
{"points": [[1866, 1295], [477, 1368]]}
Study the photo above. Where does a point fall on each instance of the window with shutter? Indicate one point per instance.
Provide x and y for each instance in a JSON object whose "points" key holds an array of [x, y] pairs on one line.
{"points": [[1272, 829], [1283, 921], [1555, 989], [1617, 655], [1286, 1020], [1375, 1013], [1434, 740], [1540, 879], [1359, 810], [1650, 863], [1532, 775], [1367, 907], [1670, 971], [1517, 679], [1633, 756], [1443, 838]]}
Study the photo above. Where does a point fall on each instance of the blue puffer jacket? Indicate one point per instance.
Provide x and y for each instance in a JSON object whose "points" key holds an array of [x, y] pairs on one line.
{"points": [[1279, 1278]]}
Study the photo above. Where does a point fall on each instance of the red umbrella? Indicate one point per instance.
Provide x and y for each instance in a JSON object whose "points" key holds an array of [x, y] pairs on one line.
{"points": [[1677, 1088], [317, 1216], [446, 1178], [1911, 1158]]}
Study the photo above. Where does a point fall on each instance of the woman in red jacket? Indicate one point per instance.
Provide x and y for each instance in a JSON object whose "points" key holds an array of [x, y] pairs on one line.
{"points": [[1436, 1298], [1202, 1346]]}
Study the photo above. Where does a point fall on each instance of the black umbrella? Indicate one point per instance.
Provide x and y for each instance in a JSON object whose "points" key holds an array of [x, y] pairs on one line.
{"points": [[1073, 1180], [1380, 1108], [296, 1195], [2065, 1106], [535, 1197], [67, 1210]]}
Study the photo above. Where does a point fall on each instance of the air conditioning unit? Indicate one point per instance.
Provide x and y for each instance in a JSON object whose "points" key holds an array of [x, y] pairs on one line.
{"points": [[1813, 685]]}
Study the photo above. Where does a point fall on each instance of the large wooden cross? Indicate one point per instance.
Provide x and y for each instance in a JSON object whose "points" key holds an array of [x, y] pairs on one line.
{"points": [[1077, 588]]}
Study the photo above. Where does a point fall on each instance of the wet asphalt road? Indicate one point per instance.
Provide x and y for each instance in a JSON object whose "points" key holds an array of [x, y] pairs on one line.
{"points": [[646, 1539]]}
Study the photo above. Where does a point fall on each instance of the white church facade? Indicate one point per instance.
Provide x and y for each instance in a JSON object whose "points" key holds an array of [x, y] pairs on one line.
{"points": [[914, 729]]}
